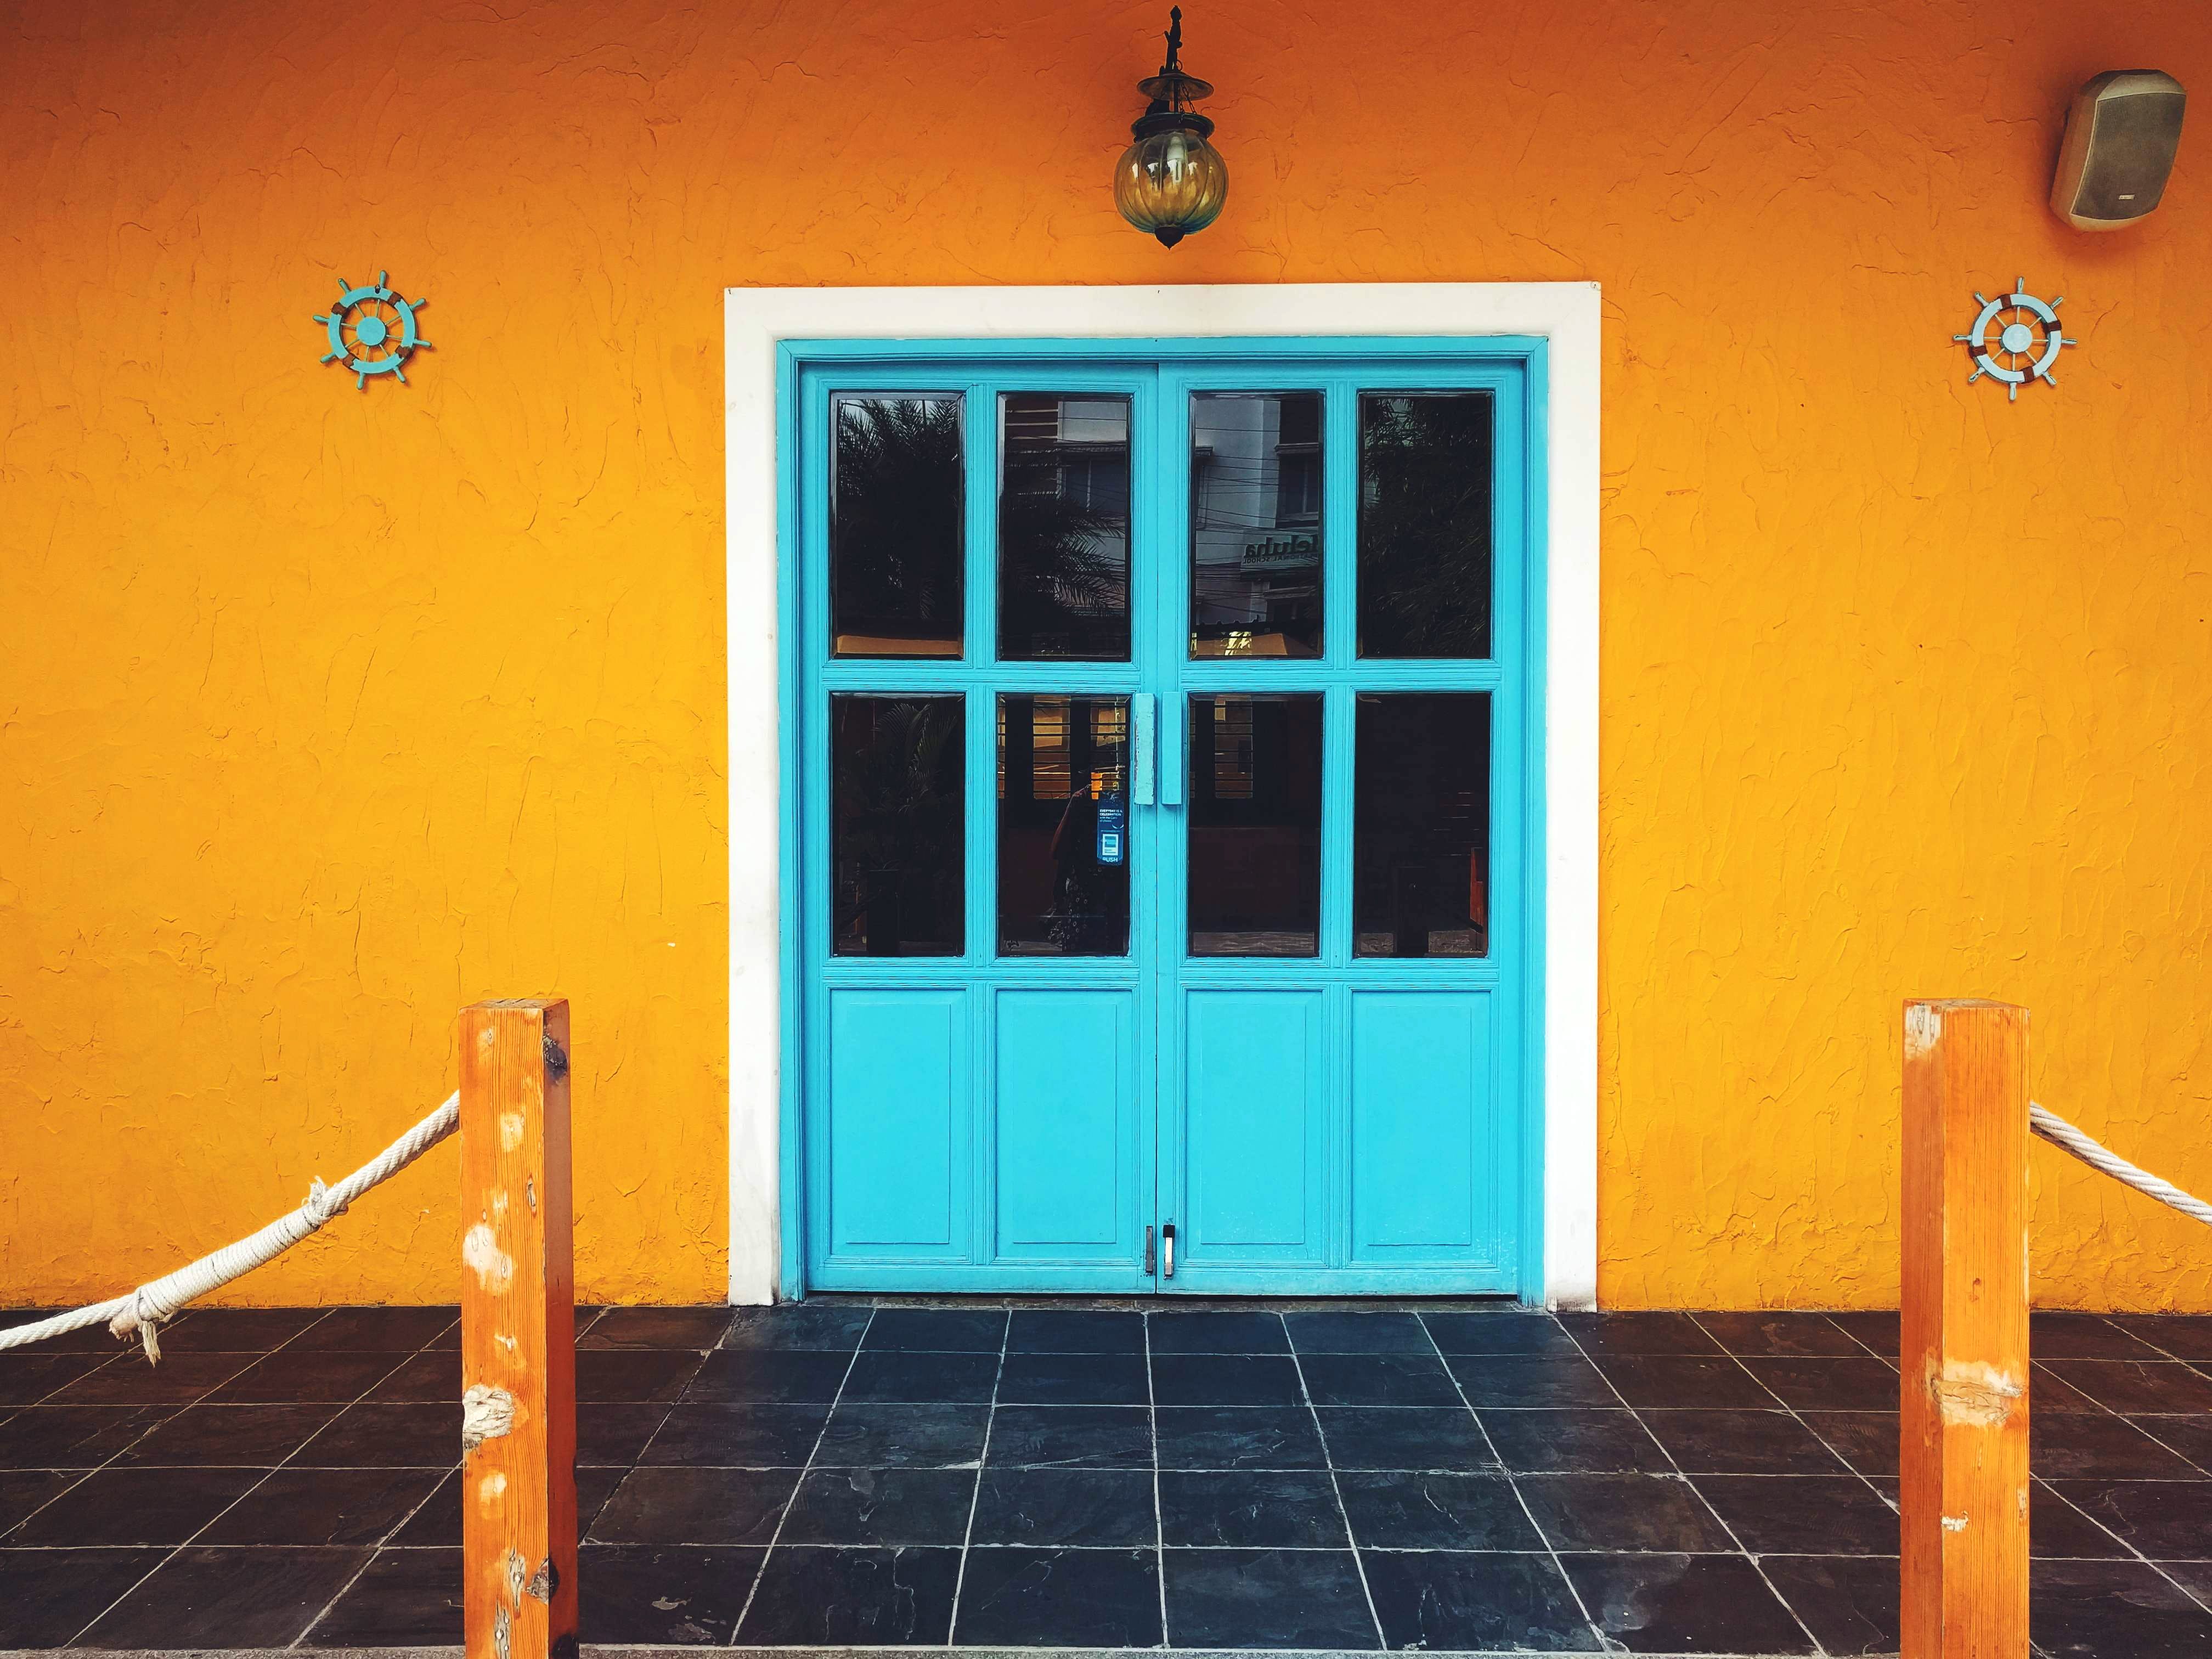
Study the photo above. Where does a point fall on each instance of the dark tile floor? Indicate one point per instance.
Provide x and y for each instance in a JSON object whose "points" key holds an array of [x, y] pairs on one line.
{"points": [[1201, 1476]]}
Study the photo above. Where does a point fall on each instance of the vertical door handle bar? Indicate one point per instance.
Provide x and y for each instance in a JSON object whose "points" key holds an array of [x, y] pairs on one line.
{"points": [[1140, 748], [1171, 739], [1167, 1249]]}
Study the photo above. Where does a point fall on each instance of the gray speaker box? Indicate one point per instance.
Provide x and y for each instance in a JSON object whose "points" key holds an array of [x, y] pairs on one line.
{"points": [[2121, 135]]}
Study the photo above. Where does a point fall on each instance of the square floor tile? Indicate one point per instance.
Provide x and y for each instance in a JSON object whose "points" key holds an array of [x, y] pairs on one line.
{"points": [[1053, 1508], [2187, 1437], [1506, 1331], [1358, 1332], [860, 1435], [1583, 1442], [2113, 1610], [1051, 1598], [694, 1506], [2058, 1531], [668, 1595], [1071, 1437], [1685, 1604], [1601, 1333], [431, 1376], [1803, 1515], [1046, 1330], [2081, 1444], [1876, 1331], [1211, 1379], [1251, 1509], [882, 1506], [1238, 1437], [385, 1437], [323, 1506], [2120, 1385], [74, 1437], [938, 1330], [1437, 1600], [1378, 1379], [769, 1376], [47, 1597], [658, 1327], [228, 1598], [333, 1378], [23, 1492], [1850, 1603], [1218, 1333], [1396, 1437], [129, 1380], [636, 1374], [1531, 1381], [376, 1330], [1864, 1384], [2166, 1520], [240, 1437], [1683, 1382], [1742, 1443], [403, 1598], [729, 1435], [1394, 1510], [1778, 1334], [918, 1376], [2185, 1336], [615, 1436], [827, 1326], [135, 1506], [1074, 1379], [2084, 1336], [1622, 1512], [1266, 1598], [1865, 1440], [237, 1330], [853, 1598]]}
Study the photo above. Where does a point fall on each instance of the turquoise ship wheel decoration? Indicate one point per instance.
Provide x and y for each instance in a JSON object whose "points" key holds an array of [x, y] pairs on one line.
{"points": [[2027, 338], [372, 331]]}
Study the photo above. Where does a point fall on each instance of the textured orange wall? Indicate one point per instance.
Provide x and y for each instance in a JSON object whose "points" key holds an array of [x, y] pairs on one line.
{"points": [[322, 712]]}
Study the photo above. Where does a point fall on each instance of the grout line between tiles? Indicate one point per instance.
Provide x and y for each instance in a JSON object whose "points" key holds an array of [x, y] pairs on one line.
{"points": [[1794, 1616], [975, 1493], [761, 1572], [1159, 1520], [1328, 1457], [1512, 1481]]}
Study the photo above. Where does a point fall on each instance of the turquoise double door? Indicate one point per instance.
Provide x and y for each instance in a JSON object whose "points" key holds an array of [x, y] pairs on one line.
{"points": [[1162, 783]]}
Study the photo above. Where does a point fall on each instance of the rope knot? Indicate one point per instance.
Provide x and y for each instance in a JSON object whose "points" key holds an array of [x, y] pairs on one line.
{"points": [[321, 1206]]}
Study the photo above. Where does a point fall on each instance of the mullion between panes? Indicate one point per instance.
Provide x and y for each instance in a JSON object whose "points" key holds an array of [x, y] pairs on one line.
{"points": [[1339, 508]]}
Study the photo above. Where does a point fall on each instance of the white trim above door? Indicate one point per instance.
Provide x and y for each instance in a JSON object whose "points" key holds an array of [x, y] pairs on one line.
{"points": [[1566, 315]]}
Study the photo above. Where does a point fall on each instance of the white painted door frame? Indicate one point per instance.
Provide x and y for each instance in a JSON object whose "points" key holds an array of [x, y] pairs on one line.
{"points": [[1566, 314]]}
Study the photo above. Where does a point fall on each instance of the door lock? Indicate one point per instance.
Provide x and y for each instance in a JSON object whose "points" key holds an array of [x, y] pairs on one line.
{"points": [[1167, 1249]]}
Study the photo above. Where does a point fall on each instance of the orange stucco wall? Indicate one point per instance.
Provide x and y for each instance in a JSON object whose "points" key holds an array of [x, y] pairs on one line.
{"points": [[322, 712]]}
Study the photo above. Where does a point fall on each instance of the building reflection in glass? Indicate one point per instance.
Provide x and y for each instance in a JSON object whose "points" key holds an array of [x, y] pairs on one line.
{"points": [[1255, 795], [1063, 528], [1255, 529], [1064, 852]]}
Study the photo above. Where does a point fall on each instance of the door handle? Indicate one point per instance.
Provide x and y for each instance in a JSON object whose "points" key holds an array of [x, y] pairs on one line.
{"points": [[1171, 731], [1167, 1249], [1140, 748]]}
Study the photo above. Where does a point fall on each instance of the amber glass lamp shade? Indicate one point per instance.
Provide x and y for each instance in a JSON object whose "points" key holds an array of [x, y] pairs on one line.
{"points": [[1171, 181]]}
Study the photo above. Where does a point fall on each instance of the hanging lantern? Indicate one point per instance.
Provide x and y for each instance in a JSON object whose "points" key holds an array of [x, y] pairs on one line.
{"points": [[1170, 182]]}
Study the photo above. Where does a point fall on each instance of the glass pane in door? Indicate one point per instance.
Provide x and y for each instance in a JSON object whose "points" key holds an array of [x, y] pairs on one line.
{"points": [[1420, 830], [1063, 528], [1256, 566], [1254, 859], [898, 823], [895, 541], [1063, 826], [1424, 517]]}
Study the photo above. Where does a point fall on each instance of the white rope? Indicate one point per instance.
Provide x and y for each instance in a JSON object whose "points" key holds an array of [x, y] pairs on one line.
{"points": [[2061, 1134], [145, 1309]]}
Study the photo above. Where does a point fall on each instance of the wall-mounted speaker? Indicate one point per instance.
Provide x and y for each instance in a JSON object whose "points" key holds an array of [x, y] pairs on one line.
{"points": [[2121, 135]]}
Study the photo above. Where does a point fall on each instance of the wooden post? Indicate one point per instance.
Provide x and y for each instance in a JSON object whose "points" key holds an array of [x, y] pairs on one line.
{"points": [[1963, 1440], [518, 1335]]}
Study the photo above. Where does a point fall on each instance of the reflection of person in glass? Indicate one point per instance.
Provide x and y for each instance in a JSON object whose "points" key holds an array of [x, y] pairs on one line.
{"points": [[1077, 923]]}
